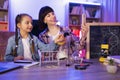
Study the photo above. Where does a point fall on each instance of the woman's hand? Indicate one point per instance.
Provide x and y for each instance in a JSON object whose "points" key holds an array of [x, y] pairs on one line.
{"points": [[60, 40], [84, 32], [18, 58]]}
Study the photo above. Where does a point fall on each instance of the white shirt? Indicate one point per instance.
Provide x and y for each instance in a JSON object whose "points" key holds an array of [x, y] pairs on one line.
{"points": [[26, 47], [54, 36]]}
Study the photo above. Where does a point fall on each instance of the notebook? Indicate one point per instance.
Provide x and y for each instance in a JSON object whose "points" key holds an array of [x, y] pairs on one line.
{"points": [[26, 64], [7, 66], [23, 61]]}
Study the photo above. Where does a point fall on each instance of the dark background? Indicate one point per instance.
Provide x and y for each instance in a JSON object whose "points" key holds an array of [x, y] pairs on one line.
{"points": [[104, 35], [36, 29]]}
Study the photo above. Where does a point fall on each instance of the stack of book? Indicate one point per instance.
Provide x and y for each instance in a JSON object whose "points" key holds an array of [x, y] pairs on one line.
{"points": [[77, 10]]}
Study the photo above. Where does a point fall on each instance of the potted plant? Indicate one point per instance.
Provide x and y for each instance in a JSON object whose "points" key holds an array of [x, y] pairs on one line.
{"points": [[111, 67]]}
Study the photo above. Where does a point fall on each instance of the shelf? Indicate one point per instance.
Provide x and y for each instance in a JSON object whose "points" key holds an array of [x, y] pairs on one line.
{"points": [[86, 3], [4, 15], [4, 10], [74, 14], [75, 26], [92, 19], [3, 22]]}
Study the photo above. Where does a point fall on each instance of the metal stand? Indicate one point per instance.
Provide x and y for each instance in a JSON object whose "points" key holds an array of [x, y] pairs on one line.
{"points": [[68, 50]]}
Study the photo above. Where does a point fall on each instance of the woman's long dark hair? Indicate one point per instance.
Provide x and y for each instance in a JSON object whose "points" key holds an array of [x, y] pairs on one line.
{"points": [[42, 13], [18, 20]]}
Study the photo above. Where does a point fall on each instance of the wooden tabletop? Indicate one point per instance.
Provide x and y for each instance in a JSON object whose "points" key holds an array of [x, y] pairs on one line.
{"points": [[96, 71]]}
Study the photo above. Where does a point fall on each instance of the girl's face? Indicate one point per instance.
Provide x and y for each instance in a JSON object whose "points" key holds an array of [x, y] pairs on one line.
{"points": [[25, 25], [50, 19]]}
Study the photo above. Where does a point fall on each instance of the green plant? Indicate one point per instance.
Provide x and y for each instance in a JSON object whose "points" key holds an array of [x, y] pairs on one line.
{"points": [[111, 67], [111, 62]]}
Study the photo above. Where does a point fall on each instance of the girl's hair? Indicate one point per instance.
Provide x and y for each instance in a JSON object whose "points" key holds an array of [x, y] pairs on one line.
{"points": [[18, 19], [42, 13]]}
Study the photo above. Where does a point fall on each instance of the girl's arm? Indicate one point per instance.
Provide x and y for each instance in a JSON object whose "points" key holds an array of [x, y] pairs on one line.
{"points": [[9, 50]]}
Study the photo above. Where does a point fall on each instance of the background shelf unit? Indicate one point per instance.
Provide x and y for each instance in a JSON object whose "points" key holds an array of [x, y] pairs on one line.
{"points": [[4, 15], [92, 12]]}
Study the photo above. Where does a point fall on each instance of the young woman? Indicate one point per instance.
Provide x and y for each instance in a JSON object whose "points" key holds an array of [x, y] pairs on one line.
{"points": [[48, 22], [24, 45]]}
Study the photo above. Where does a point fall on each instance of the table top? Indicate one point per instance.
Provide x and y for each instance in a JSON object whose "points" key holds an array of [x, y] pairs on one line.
{"points": [[95, 71]]}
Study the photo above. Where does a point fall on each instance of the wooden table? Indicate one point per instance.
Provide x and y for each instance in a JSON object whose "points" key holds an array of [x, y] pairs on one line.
{"points": [[95, 71]]}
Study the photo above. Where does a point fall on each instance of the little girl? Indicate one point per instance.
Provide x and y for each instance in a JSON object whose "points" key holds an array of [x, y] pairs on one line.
{"points": [[24, 45]]}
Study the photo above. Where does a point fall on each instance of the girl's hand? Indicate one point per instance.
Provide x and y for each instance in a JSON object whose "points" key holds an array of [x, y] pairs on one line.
{"points": [[18, 58], [60, 40]]}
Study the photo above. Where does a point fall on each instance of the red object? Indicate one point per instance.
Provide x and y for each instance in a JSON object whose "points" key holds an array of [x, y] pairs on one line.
{"points": [[76, 32], [3, 26]]}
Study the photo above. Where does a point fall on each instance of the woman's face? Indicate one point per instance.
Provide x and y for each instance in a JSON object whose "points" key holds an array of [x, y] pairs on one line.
{"points": [[26, 24], [50, 19]]}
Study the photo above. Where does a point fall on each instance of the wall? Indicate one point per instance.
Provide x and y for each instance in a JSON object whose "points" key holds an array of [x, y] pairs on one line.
{"points": [[32, 7]]}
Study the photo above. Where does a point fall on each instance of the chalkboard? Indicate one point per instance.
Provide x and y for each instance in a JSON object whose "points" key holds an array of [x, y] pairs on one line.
{"points": [[104, 34]]}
